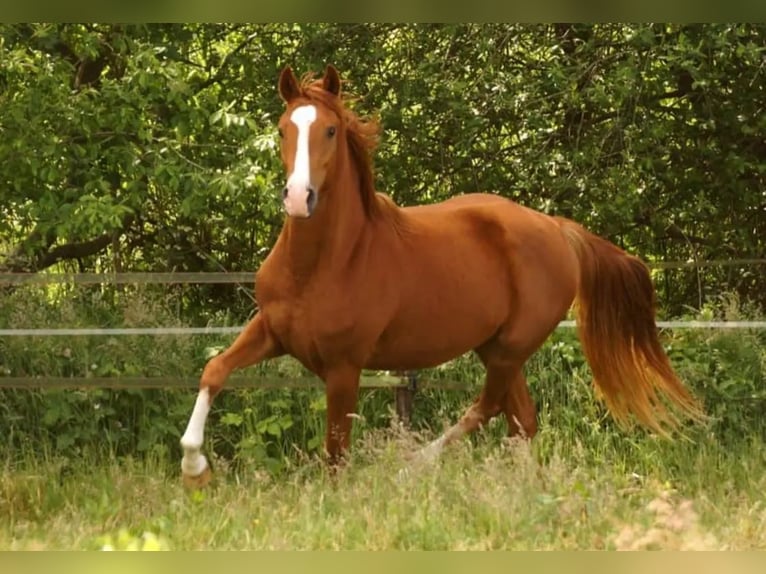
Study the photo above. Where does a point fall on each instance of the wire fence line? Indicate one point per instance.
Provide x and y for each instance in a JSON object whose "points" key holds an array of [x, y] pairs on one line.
{"points": [[403, 386], [391, 382], [119, 331], [147, 278], [222, 277], [160, 331]]}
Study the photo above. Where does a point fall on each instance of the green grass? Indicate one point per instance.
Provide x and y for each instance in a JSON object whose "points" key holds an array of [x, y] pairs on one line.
{"points": [[99, 468], [557, 493]]}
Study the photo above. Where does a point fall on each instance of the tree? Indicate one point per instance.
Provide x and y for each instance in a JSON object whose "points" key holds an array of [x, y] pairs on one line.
{"points": [[152, 147]]}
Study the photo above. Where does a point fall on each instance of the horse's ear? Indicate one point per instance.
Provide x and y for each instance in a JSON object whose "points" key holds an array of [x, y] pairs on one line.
{"points": [[331, 80], [288, 85]]}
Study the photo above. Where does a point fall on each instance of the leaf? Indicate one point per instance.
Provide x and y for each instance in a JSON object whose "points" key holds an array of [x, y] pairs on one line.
{"points": [[314, 443], [216, 117], [232, 419]]}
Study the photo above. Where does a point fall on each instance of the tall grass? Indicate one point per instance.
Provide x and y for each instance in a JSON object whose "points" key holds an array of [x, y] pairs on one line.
{"points": [[497, 495], [99, 468]]}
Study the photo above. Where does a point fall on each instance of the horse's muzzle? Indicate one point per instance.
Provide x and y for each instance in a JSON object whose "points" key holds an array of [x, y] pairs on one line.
{"points": [[300, 201]]}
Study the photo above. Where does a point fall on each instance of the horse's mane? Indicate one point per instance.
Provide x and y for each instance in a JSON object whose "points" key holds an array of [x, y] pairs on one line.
{"points": [[362, 135]]}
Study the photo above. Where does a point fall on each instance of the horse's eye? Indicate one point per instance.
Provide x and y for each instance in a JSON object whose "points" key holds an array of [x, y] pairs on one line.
{"points": [[330, 131]]}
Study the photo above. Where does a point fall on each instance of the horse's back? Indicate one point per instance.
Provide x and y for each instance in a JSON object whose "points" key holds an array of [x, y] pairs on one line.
{"points": [[459, 202], [486, 218]]}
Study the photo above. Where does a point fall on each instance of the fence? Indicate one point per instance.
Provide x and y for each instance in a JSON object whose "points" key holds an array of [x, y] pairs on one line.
{"points": [[403, 385]]}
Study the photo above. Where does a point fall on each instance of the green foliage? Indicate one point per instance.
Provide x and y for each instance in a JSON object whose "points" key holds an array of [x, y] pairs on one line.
{"points": [[727, 368], [152, 146], [270, 429], [498, 496], [124, 540]]}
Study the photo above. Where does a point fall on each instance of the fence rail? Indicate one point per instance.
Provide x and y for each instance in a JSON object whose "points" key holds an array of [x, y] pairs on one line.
{"points": [[184, 277], [159, 278], [163, 331], [402, 386], [234, 382]]}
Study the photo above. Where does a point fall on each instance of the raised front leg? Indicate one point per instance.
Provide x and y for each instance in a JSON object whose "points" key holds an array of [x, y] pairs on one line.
{"points": [[254, 344], [342, 393]]}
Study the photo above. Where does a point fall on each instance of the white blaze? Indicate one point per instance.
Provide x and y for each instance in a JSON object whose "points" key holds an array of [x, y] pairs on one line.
{"points": [[296, 200], [193, 462]]}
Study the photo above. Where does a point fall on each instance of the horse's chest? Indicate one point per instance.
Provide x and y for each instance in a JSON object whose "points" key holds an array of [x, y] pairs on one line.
{"points": [[285, 313], [315, 326]]}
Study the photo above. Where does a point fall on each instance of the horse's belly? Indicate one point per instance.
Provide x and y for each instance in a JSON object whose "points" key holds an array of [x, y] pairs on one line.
{"points": [[412, 358], [451, 302], [425, 340]]}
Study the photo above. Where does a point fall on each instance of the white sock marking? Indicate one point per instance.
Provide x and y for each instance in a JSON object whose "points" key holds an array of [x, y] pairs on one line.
{"points": [[425, 456], [432, 450], [193, 462]]}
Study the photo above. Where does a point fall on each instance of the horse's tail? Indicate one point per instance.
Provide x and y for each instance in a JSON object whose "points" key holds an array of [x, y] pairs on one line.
{"points": [[615, 307]]}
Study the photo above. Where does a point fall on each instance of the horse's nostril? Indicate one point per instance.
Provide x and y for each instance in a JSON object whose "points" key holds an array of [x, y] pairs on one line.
{"points": [[311, 199], [284, 193]]}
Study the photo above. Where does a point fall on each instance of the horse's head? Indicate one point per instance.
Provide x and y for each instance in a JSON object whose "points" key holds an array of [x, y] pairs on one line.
{"points": [[308, 131]]}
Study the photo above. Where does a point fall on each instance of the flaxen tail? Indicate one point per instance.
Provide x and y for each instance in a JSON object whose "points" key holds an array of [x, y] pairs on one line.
{"points": [[616, 323]]}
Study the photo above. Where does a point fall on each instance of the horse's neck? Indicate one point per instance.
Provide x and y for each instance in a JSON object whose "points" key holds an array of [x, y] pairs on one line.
{"points": [[329, 237]]}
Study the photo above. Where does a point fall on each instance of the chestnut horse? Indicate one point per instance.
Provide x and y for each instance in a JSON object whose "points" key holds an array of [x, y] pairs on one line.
{"points": [[356, 282]]}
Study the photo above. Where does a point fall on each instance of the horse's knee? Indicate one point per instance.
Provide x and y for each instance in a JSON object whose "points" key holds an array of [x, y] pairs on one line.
{"points": [[213, 376]]}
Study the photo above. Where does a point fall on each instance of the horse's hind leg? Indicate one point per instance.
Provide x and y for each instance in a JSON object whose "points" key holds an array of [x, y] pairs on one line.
{"points": [[519, 408], [491, 402]]}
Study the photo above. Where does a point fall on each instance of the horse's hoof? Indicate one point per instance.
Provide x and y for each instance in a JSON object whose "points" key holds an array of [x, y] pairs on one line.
{"points": [[199, 481]]}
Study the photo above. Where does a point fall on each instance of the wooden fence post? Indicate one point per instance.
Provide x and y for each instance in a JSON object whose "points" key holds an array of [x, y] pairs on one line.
{"points": [[404, 395]]}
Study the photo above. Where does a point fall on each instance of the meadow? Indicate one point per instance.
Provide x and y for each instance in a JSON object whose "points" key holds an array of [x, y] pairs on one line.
{"points": [[100, 468], [605, 492], [152, 148]]}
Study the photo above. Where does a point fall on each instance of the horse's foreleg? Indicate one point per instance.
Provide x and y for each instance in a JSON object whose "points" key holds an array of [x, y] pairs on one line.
{"points": [[253, 344], [342, 391]]}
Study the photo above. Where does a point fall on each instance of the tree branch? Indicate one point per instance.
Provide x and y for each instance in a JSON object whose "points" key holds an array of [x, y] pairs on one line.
{"points": [[218, 76], [73, 251], [44, 256]]}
